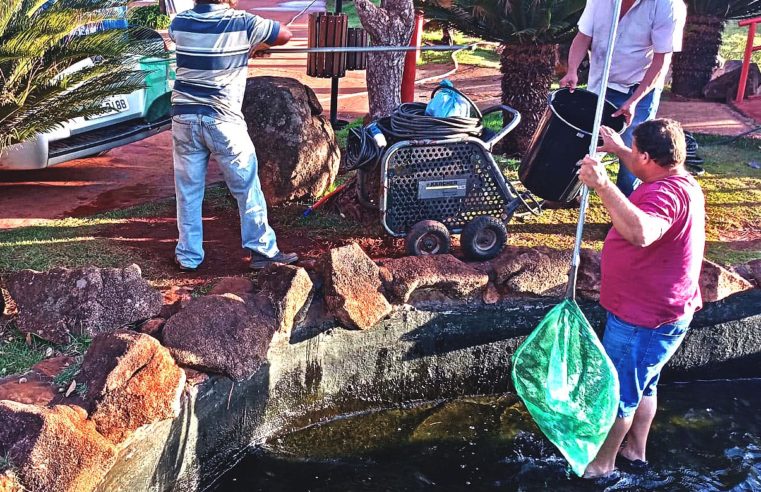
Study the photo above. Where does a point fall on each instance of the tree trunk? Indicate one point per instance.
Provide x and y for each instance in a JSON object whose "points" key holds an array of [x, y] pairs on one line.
{"points": [[527, 74], [692, 67], [388, 25]]}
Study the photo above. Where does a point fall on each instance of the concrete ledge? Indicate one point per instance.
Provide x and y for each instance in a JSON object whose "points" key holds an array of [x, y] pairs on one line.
{"points": [[322, 371]]}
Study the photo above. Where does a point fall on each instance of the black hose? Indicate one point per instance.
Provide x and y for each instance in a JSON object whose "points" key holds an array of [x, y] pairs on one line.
{"points": [[732, 139], [409, 122], [361, 149]]}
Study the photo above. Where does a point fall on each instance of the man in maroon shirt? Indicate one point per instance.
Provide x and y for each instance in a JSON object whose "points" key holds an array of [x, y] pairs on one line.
{"points": [[650, 268]]}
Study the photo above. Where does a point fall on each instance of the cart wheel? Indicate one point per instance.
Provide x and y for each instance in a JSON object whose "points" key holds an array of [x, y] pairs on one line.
{"points": [[483, 238], [428, 237]]}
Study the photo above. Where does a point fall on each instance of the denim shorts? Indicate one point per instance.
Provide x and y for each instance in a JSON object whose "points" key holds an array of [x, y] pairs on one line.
{"points": [[639, 354]]}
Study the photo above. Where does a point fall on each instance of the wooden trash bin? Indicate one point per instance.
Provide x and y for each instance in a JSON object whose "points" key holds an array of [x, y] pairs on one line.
{"points": [[358, 38], [330, 31]]}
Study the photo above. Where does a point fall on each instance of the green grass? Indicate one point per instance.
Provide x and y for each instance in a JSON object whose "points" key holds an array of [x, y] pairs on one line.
{"points": [[16, 356], [483, 56], [347, 7], [733, 43]]}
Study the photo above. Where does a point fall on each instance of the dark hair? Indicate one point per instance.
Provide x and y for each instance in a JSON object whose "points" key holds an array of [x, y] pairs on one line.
{"points": [[663, 140], [202, 2]]}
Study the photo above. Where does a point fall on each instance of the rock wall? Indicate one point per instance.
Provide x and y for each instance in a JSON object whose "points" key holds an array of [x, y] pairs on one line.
{"points": [[281, 357]]}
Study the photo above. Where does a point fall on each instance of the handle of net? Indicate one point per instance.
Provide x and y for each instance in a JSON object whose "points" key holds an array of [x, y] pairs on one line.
{"points": [[573, 273], [365, 49], [516, 119]]}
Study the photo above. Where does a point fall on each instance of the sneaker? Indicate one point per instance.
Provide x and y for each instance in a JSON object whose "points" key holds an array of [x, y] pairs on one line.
{"points": [[260, 261], [184, 268]]}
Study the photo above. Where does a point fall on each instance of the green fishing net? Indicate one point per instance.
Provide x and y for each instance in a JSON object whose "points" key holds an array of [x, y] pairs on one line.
{"points": [[568, 383]]}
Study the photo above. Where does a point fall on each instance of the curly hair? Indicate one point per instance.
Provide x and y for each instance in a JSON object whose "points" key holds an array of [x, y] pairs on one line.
{"points": [[663, 139]]}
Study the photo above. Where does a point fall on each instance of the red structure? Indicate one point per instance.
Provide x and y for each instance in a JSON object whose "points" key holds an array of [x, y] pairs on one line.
{"points": [[749, 49], [410, 61]]}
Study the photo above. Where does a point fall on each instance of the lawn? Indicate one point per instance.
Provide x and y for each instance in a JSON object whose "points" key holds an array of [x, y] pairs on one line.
{"points": [[733, 42]]}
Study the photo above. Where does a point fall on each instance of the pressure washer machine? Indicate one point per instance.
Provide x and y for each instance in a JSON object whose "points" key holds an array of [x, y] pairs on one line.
{"points": [[438, 177]]}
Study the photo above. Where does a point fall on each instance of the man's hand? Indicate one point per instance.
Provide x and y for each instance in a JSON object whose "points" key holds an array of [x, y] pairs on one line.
{"points": [[627, 110], [593, 174], [571, 80], [611, 141]]}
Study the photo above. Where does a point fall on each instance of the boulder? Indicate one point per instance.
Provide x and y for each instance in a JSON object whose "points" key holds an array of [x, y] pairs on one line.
{"points": [[54, 449], [221, 334], [152, 327], [750, 271], [588, 278], [491, 295], [296, 147], [131, 381], [532, 271], [724, 87], [288, 289], [84, 301], [445, 273], [34, 387], [716, 282], [9, 482], [353, 288], [239, 286]]}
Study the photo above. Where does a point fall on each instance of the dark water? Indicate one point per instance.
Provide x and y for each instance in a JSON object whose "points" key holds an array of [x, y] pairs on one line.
{"points": [[706, 437]]}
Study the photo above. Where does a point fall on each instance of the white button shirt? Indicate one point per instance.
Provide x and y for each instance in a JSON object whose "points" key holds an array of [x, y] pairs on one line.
{"points": [[650, 26]]}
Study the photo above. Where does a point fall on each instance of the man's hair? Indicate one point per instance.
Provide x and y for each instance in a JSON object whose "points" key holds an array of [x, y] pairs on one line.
{"points": [[202, 2], [663, 140]]}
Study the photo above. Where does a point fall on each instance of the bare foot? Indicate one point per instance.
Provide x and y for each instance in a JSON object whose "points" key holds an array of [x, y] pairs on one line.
{"points": [[593, 471], [630, 455]]}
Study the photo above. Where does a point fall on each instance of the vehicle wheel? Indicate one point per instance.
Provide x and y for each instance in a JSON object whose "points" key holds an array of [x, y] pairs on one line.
{"points": [[483, 238], [428, 237]]}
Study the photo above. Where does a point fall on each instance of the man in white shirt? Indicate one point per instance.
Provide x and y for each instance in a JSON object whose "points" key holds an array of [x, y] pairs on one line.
{"points": [[649, 31]]}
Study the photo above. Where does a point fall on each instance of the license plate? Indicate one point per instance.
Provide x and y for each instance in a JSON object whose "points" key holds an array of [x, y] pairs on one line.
{"points": [[114, 104]]}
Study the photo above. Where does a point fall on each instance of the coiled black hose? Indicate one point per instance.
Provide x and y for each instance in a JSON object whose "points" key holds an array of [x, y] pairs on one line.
{"points": [[407, 122]]}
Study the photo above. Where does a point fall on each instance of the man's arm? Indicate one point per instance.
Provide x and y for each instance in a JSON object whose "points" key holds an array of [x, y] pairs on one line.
{"points": [[636, 226], [660, 65], [576, 54]]}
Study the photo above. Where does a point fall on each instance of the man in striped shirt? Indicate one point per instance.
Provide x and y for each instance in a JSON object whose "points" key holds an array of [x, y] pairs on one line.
{"points": [[213, 43]]}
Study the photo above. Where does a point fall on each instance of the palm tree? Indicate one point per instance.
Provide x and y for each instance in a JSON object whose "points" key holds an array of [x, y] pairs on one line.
{"points": [[702, 38], [528, 31], [40, 88]]}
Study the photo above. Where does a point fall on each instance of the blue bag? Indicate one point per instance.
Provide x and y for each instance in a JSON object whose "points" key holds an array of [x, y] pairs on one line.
{"points": [[446, 103]]}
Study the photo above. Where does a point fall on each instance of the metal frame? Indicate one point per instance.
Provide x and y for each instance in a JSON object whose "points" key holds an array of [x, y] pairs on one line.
{"points": [[512, 199]]}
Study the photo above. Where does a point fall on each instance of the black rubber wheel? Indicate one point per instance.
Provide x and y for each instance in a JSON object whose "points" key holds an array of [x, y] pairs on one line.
{"points": [[428, 237], [483, 238]]}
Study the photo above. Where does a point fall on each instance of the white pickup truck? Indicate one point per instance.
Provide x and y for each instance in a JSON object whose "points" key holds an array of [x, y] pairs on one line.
{"points": [[132, 117]]}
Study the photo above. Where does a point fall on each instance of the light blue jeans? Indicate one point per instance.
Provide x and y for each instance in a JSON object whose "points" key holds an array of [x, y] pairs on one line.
{"points": [[196, 138], [645, 110]]}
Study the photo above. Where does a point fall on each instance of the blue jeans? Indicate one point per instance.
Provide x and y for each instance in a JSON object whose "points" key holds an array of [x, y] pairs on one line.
{"points": [[639, 354], [645, 110], [196, 138]]}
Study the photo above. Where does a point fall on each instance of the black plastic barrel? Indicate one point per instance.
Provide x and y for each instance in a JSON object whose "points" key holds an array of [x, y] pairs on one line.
{"points": [[548, 170]]}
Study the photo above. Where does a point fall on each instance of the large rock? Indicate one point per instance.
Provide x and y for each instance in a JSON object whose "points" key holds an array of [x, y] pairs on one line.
{"points": [[84, 301], [222, 334], [9, 482], [353, 288], [54, 449], [288, 289], [532, 271], [297, 149], [716, 282], [444, 273], [724, 87], [131, 381], [750, 271], [35, 386], [542, 271]]}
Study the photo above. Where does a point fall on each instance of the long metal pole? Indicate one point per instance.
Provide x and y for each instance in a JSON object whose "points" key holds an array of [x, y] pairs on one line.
{"points": [[576, 258], [367, 49], [334, 83]]}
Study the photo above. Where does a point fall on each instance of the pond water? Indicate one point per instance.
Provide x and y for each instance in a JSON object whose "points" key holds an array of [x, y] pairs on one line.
{"points": [[706, 437]]}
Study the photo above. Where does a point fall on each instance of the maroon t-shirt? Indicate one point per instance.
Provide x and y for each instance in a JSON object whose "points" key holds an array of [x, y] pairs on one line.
{"points": [[658, 284]]}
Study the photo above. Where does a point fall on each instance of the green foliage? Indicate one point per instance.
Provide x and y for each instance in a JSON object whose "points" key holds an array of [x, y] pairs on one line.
{"points": [[150, 17], [42, 82], [509, 21], [17, 356], [737, 9], [733, 43]]}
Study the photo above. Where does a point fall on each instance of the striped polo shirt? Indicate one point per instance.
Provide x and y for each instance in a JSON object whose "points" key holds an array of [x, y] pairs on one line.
{"points": [[213, 43]]}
